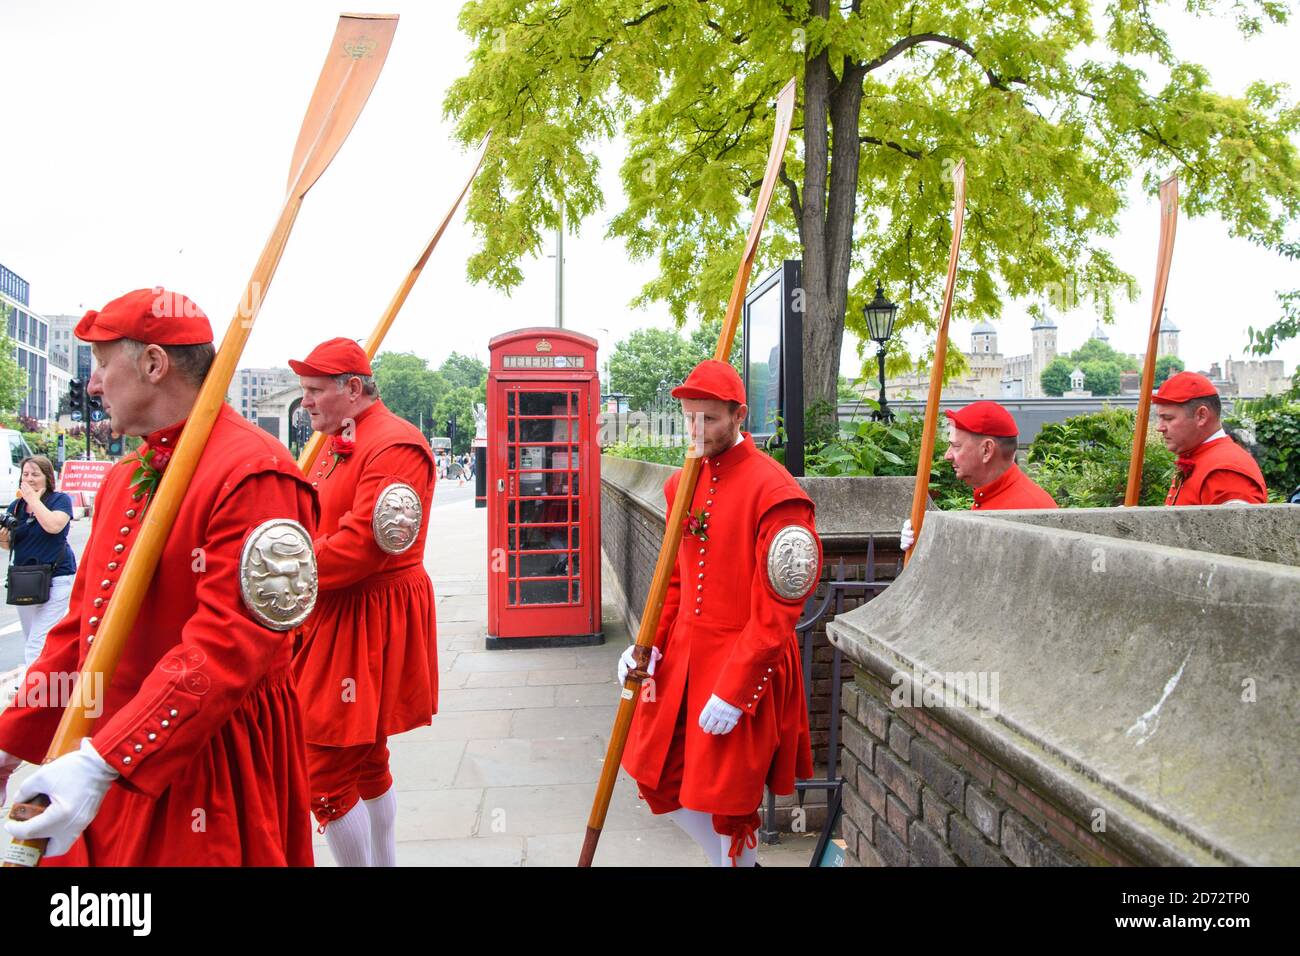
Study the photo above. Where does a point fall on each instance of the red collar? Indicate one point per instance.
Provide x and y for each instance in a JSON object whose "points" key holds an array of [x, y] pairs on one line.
{"points": [[734, 455], [166, 437], [362, 416], [999, 484], [1186, 463]]}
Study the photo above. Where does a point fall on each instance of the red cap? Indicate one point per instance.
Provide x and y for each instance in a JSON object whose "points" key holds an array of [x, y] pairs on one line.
{"points": [[153, 316], [712, 379], [985, 418], [1183, 387], [335, 357]]}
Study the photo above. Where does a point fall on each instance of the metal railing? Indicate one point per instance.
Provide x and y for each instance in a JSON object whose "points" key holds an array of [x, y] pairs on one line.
{"points": [[815, 611]]}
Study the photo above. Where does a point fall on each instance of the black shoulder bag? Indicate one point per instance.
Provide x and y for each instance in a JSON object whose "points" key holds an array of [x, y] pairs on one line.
{"points": [[27, 583]]}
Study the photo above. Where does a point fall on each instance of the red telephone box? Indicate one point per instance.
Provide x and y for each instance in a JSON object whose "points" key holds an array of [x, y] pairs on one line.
{"points": [[543, 490]]}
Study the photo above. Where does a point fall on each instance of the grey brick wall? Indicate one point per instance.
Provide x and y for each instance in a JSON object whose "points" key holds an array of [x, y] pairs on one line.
{"points": [[917, 795]]}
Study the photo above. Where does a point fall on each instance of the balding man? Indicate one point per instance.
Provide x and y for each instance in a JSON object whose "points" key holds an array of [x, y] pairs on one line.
{"points": [[982, 442], [1212, 468]]}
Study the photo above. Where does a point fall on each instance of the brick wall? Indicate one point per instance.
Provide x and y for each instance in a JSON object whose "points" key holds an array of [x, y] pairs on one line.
{"points": [[916, 794]]}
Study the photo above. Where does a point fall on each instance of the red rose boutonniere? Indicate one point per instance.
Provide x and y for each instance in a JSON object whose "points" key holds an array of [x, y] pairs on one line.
{"points": [[1185, 465], [148, 472], [696, 524], [340, 448]]}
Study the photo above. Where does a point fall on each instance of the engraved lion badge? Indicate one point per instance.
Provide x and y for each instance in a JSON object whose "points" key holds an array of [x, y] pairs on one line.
{"points": [[792, 562], [277, 574]]}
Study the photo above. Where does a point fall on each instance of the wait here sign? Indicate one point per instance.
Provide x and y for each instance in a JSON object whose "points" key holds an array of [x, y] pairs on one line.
{"points": [[81, 475]]}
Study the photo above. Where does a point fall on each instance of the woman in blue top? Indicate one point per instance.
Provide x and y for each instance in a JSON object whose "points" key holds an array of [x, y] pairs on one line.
{"points": [[42, 538]]}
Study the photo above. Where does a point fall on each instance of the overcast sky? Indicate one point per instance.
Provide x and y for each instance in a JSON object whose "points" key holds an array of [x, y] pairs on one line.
{"points": [[148, 143]]}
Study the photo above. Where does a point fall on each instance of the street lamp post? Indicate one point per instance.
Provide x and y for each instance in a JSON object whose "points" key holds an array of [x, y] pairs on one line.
{"points": [[879, 313]]}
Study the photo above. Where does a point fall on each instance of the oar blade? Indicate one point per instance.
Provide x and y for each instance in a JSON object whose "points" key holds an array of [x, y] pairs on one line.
{"points": [[780, 135], [921, 490], [1164, 258], [355, 59]]}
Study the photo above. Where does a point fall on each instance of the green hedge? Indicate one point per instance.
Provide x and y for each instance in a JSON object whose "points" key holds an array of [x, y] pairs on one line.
{"points": [[1083, 461], [1271, 429]]}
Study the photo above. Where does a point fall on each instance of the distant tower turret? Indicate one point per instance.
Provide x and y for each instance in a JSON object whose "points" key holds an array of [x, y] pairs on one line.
{"points": [[1043, 334], [984, 339], [1168, 342]]}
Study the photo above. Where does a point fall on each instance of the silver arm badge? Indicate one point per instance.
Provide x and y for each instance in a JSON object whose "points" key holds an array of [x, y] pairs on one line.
{"points": [[397, 517], [277, 574], [792, 562]]}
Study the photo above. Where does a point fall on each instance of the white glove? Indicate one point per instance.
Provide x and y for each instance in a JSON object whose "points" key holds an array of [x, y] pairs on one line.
{"points": [[8, 764], [905, 537], [718, 717], [76, 784], [627, 662]]}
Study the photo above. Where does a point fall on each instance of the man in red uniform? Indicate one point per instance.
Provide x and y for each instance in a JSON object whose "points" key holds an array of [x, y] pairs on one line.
{"points": [[197, 758], [982, 449], [368, 666], [725, 711], [1212, 468]]}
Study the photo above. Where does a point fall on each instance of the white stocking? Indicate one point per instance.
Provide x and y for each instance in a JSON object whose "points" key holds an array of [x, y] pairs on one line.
{"points": [[383, 828], [699, 827], [349, 837]]}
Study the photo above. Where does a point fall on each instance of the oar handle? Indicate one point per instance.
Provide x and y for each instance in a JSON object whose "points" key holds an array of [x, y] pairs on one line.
{"points": [[27, 853]]}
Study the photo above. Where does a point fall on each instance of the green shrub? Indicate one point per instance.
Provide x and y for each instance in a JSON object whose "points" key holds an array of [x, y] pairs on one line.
{"points": [[1271, 429], [888, 448], [1083, 461]]}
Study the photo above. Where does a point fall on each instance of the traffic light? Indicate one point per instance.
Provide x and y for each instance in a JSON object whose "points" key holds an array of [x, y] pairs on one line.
{"points": [[116, 446], [76, 398], [96, 409]]}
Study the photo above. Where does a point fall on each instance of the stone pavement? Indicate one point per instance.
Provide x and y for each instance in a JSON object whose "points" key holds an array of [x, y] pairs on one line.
{"points": [[506, 774]]}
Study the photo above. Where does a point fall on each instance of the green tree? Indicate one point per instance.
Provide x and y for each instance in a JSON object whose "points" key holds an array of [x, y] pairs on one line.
{"points": [[704, 342], [1168, 365], [1101, 377], [1095, 350], [457, 402], [1054, 112], [409, 387], [13, 379], [463, 370], [647, 358], [1055, 379]]}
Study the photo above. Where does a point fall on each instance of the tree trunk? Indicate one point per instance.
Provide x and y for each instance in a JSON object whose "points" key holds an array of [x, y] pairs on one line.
{"points": [[831, 113]]}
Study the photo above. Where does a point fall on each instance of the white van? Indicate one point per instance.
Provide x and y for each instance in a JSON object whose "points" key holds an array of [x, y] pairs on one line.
{"points": [[14, 449]]}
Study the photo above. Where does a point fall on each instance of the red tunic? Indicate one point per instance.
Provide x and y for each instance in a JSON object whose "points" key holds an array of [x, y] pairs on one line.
{"points": [[1011, 490], [1219, 470], [726, 632], [369, 661], [201, 719]]}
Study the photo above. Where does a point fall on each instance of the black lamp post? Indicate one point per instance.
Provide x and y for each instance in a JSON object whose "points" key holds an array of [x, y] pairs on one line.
{"points": [[880, 313]]}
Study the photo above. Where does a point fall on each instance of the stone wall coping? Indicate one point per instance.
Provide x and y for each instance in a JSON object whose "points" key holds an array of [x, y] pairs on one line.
{"points": [[1122, 666]]}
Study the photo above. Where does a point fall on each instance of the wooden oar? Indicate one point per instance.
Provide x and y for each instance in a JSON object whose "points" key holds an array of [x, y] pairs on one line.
{"points": [[654, 603], [1164, 256], [313, 446], [921, 491], [352, 66]]}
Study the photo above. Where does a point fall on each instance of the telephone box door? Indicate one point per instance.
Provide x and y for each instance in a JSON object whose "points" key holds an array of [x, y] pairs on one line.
{"points": [[547, 531]]}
